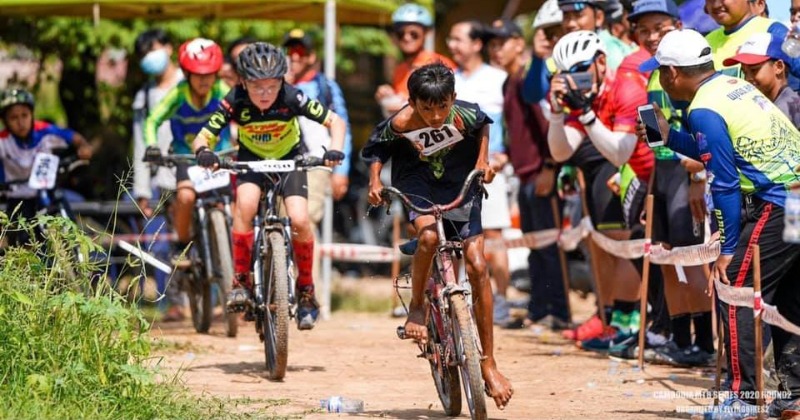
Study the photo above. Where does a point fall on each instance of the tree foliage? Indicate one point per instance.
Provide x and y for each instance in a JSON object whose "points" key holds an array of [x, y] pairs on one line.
{"points": [[77, 43]]}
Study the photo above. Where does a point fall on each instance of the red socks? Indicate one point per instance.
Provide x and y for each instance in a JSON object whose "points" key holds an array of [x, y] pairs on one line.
{"points": [[242, 251], [304, 258]]}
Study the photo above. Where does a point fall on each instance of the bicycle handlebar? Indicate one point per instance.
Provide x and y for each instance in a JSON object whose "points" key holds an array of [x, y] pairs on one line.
{"points": [[387, 192], [299, 163]]}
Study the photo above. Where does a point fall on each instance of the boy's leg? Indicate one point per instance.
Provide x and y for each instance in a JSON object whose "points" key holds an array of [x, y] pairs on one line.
{"points": [[422, 261], [247, 200], [498, 386]]}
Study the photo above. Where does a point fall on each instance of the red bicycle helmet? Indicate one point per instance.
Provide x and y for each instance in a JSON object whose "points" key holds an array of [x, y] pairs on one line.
{"points": [[200, 56]]}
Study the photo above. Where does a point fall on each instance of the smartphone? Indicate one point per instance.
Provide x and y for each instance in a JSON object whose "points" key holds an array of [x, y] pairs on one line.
{"points": [[653, 134], [583, 80]]}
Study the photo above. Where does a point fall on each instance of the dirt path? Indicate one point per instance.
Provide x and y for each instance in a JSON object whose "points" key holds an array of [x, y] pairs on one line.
{"points": [[358, 356]]}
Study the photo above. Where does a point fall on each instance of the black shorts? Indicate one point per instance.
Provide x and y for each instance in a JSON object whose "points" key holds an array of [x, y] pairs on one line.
{"points": [[605, 208], [672, 218], [292, 183]]}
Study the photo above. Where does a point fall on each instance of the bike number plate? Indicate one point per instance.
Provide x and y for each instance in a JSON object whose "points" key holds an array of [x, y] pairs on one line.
{"points": [[207, 180], [268, 166], [43, 172], [430, 140]]}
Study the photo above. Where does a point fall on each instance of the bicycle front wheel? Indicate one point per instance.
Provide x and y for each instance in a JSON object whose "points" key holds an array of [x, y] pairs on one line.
{"points": [[469, 355], [222, 258], [199, 293], [276, 311], [445, 376]]}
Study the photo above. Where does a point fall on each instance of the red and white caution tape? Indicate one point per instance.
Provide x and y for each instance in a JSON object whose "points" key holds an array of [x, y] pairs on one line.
{"points": [[359, 253], [630, 249], [685, 255], [746, 297]]}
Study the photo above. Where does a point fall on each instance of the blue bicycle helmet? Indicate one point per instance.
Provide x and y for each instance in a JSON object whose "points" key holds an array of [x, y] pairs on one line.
{"points": [[412, 13], [13, 97]]}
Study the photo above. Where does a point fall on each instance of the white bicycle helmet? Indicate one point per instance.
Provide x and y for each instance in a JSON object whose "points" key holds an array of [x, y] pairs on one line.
{"points": [[548, 15], [576, 48], [412, 13]]}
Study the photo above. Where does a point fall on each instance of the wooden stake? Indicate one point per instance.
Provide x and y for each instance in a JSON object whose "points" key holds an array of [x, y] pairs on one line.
{"points": [[757, 318], [593, 250], [648, 233], [562, 257], [720, 339]]}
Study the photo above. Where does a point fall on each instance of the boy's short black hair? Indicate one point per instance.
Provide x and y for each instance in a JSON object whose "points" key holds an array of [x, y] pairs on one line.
{"points": [[145, 40], [432, 83]]}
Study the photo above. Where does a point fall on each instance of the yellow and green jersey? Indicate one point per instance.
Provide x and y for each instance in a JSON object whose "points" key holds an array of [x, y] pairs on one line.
{"points": [[185, 119], [747, 144]]}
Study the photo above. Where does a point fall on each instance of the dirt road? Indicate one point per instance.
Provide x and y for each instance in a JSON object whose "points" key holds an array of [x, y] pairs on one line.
{"points": [[358, 356]]}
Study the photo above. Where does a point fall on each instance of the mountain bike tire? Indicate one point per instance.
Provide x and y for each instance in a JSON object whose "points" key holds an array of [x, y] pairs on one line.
{"points": [[276, 311], [468, 352], [222, 259]]}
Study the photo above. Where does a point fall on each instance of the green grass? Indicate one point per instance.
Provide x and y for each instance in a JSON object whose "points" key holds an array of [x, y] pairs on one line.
{"points": [[70, 351], [352, 301]]}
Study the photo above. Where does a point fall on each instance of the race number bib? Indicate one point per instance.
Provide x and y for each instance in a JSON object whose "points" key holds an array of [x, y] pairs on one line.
{"points": [[431, 140], [207, 180], [43, 172]]}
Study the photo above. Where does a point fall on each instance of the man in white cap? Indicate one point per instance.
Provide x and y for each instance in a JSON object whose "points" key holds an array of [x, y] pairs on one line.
{"points": [[750, 150]]}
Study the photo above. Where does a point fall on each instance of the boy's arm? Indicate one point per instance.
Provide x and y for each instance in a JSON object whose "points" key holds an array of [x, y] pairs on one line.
{"points": [[218, 121], [340, 108], [162, 112], [375, 184], [483, 155]]}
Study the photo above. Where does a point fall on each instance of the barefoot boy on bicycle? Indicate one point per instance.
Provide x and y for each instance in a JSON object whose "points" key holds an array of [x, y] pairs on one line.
{"points": [[266, 110], [434, 142]]}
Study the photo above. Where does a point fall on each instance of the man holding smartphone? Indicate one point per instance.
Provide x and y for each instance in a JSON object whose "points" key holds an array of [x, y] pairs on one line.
{"points": [[750, 150], [679, 211]]}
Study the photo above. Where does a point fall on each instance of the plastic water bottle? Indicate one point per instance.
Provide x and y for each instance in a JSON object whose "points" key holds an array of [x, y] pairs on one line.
{"points": [[791, 217], [791, 45], [342, 405]]}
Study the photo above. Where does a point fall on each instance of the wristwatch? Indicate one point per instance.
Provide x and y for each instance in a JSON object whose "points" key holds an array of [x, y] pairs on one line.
{"points": [[699, 176], [588, 118]]}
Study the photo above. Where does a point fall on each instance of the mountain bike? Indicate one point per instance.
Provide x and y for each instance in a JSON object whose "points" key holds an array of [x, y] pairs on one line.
{"points": [[46, 172], [210, 258], [274, 303], [453, 348]]}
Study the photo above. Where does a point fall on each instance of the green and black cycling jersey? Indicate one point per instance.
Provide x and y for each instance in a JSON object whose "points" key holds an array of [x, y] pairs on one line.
{"points": [[272, 133]]}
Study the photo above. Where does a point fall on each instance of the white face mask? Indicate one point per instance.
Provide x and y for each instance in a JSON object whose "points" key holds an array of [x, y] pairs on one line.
{"points": [[155, 62]]}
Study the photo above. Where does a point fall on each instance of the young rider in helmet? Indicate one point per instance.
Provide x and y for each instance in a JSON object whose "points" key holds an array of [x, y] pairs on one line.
{"points": [[266, 110], [20, 141], [188, 106], [410, 25]]}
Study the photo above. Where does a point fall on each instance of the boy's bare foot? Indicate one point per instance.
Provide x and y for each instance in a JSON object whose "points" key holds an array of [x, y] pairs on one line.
{"points": [[497, 386], [415, 323]]}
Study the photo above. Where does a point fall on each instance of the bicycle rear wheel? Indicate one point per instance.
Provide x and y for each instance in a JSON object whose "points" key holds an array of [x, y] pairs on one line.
{"points": [[445, 377], [222, 258], [276, 311], [469, 355]]}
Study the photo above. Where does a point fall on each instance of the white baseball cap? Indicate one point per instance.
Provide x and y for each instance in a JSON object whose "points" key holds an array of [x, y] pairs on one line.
{"points": [[681, 48]]}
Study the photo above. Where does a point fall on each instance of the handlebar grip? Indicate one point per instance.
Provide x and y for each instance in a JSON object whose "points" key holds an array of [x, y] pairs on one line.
{"points": [[401, 333], [311, 161]]}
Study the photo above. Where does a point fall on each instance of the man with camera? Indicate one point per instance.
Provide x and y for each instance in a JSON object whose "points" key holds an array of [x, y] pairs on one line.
{"points": [[592, 126], [750, 150]]}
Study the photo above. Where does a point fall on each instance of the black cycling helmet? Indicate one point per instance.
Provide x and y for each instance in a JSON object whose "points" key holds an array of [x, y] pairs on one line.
{"points": [[13, 97], [261, 60]]}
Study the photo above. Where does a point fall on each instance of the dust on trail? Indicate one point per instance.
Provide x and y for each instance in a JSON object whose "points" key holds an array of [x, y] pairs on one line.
{"points": [[358, 356]]}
